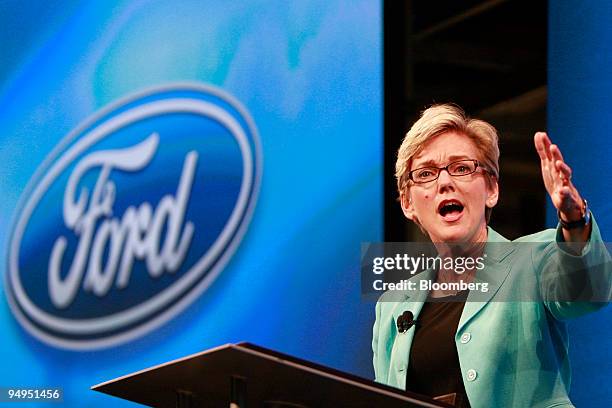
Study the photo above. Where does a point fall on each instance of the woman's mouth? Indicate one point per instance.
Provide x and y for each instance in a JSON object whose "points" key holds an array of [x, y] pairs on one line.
{"points": [[450, 210]]}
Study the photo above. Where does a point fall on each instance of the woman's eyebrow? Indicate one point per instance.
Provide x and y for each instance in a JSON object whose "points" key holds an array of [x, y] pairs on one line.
{"points": [[434, 163]]}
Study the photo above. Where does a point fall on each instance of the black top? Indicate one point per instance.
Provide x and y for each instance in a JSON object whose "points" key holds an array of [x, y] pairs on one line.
{"points": [[433, 367]]}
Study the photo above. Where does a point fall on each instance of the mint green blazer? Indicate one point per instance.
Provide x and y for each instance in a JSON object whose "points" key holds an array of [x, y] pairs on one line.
{"points": [[511, 353]]}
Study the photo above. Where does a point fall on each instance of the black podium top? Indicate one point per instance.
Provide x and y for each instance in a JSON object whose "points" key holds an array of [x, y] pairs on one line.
{"points": [[263, 377]]}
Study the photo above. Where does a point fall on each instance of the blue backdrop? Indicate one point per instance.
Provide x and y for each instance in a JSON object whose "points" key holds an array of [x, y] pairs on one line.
{"points": [[579, 104], [302, 81]]}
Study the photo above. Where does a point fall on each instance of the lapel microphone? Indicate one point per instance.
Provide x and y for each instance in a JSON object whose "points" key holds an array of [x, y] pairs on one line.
{"points": [[405, 321]]}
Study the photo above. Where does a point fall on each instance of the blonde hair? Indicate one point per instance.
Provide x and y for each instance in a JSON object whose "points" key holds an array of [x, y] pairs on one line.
{"points": [[439, 119]]}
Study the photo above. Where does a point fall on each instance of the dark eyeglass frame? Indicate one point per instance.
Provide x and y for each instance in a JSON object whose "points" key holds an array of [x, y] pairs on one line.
{"points": [[439, 170]]}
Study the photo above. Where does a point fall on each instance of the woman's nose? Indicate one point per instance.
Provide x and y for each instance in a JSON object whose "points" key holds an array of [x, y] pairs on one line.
{"points": [[444, 179]]}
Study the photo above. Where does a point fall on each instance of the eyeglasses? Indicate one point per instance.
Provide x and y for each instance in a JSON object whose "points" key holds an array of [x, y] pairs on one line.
{"points": [[455, 169]]}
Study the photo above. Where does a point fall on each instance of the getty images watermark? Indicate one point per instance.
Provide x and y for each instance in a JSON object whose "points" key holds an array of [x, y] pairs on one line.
{"points": [[411, 265], [501, 271]]}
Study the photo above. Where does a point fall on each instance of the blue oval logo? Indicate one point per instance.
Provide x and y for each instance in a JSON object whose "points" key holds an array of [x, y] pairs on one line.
{"points": [[132, 216]]}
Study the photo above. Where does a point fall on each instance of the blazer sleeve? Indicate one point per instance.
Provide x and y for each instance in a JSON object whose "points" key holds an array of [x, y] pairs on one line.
{"points": [[375, 344], [572, 285], [382, 338]]}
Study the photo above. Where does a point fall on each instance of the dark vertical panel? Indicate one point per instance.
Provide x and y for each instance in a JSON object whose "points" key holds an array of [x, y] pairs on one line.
{"points": [[398, 87]]}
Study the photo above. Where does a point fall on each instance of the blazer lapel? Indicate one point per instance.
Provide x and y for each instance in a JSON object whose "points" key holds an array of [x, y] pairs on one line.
{"points": [[496, 270], [413, 302]]}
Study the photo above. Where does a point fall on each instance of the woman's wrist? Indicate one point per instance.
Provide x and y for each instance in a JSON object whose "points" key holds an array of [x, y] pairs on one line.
{"points": [[577, 219], [576, 231]]}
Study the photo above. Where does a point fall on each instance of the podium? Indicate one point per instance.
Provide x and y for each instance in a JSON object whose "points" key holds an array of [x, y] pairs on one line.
{"points": [[244, 375]]}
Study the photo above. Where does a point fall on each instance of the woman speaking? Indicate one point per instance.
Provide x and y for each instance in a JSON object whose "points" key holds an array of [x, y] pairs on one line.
{"points": [[486, 349]]}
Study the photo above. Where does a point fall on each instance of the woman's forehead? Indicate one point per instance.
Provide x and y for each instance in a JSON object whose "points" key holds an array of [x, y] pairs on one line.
{"points": [[445, 148]]}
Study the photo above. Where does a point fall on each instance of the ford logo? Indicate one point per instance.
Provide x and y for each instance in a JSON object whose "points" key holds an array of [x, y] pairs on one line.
{"points": [[133, 216]]}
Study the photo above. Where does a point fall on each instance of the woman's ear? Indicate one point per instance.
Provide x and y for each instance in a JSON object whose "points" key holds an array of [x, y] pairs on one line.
{"points": [[407, 206], [492, 192]]}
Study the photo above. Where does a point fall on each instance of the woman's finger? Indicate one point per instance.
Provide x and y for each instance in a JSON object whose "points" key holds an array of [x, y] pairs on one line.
{"points": [[556, 152], [564, 170], [540, 140]]}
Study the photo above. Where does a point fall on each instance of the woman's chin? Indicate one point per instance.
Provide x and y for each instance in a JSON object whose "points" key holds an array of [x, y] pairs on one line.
{"points": [[451, 233]]}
